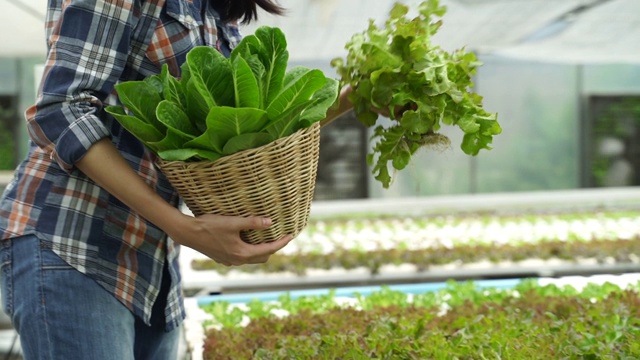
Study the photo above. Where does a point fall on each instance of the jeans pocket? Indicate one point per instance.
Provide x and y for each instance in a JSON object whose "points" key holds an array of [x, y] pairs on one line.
{"points": [[6, 278]]}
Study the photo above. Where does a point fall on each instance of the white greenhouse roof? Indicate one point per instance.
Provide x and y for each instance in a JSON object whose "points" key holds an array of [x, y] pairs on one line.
{"points": [[22, 28], [608, 33], [577, 31], [318, 29]]}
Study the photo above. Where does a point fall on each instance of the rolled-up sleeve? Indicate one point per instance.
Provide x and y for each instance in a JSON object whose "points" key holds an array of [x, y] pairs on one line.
{"points": [[88, 42]]}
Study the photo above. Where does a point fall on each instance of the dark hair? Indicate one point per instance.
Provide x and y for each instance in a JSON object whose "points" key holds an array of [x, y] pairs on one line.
{"points": [[247, 10]]}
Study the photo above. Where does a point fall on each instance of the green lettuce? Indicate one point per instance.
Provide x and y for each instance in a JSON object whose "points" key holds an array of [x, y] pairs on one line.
{"points": [[219, 106], [396, 67]]}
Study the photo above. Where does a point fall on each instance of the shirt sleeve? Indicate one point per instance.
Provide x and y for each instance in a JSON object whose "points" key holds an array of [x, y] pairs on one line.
{"points": [[88, 45]]}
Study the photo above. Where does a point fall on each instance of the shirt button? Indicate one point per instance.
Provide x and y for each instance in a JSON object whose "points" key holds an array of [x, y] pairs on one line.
{"points": [[189, 19]]}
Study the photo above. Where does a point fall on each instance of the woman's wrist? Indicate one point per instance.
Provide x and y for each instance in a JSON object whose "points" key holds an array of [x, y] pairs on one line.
{"points": [[179, 227], [342, 106]]}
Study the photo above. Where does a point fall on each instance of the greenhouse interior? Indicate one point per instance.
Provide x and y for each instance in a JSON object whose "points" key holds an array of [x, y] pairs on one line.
{"points": [[527, 249]]}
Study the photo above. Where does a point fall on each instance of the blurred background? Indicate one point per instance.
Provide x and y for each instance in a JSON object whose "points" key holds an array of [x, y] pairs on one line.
{"points": [[563, 76]]}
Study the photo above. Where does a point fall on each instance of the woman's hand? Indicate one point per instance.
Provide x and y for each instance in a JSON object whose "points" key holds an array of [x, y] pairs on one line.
{"points": [[218, 237], [397, 111], [343, 105]]}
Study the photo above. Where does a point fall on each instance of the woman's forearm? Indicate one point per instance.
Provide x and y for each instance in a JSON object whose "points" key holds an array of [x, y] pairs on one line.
{"points": [[104, 165], [343, 105], [216, 236]]}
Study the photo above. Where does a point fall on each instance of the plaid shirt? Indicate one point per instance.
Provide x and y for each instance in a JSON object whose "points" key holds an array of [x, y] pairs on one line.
{"points": [[92, 45]]}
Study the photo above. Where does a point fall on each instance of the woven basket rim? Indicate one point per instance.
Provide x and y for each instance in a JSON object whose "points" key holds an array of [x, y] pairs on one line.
{"points": [[244, 153]]}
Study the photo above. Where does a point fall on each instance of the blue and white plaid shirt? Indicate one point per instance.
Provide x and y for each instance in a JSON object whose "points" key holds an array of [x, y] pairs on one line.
{"points": [[92, 45]]}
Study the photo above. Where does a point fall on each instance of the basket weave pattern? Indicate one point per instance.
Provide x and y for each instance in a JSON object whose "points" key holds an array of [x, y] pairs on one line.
{"points": [[275, 180]]}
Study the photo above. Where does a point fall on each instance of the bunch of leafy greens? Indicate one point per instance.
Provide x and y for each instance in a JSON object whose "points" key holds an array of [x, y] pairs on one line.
{"points": [[219, 105], [398, 68]]}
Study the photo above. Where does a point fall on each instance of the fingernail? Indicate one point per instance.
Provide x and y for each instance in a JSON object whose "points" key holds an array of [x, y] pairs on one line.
{"points": [[266, 222]]}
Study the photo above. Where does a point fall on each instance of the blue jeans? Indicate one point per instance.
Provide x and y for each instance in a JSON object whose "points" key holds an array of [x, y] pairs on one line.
{"points": [[62, 314]]}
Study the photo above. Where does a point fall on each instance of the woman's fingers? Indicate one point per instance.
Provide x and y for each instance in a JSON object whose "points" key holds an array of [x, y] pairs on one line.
{"points": [[272, 247], [260, 253], [239, 223], [398, 111], [219, 238]]}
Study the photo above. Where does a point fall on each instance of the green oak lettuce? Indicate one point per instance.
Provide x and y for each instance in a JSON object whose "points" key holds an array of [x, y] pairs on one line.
{"points": [[220, 106], [396, 67]]}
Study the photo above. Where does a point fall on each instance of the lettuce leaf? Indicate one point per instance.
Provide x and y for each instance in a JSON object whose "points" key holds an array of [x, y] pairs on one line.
{"points": [[220, 106], [396, 67]]}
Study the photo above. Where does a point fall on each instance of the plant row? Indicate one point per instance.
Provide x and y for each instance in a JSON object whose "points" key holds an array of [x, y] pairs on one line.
{"points": [[426, 242], [462, 321]]}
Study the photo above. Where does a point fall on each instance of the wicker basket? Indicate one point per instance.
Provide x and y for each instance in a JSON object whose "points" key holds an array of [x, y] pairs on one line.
{"points": [[275, 180]]}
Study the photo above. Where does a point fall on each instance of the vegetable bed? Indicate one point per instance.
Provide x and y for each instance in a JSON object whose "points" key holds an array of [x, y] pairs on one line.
{"points": [[591, 318], [378, 245]]}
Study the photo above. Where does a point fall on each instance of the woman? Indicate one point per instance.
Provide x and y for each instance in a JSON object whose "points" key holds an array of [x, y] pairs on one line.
{"points": [[89, 229]]}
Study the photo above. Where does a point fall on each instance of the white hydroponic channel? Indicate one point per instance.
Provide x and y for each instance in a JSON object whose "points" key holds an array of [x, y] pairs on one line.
{"points": [[449, 231], [413, 233]]}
